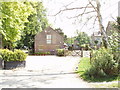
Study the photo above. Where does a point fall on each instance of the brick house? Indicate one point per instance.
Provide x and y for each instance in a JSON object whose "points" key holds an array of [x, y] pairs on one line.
{"points": [[76, 45], [96, 39], [48, 41]]}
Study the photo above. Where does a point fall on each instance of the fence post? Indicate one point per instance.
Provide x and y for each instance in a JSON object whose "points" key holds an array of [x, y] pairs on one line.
{"points": [[81, 52], [90, 56]]}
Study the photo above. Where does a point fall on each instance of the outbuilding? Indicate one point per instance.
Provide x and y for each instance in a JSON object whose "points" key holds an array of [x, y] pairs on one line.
{"points": [[48, 41]]}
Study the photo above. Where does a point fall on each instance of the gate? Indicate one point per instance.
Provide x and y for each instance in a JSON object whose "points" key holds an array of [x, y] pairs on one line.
{"points": [[74, 53]]}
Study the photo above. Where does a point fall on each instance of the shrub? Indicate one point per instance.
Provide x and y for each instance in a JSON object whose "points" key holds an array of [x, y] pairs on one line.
{"points": [[42, 53], [102, 62], [70, 48], [60, 52], [17, 55], [20, 55]]}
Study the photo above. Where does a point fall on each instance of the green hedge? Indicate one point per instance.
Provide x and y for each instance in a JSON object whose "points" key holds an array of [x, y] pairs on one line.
{"points": [[60, 52], [17, 55], [42, 53]]}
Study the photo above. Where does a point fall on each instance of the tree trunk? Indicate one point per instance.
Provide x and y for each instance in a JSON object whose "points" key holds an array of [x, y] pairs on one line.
{"points": [[105, 42]]}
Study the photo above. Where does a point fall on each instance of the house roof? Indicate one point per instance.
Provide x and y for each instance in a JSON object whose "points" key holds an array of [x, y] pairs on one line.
{"points": [[49, 28], [96, 33], [110, 25]]}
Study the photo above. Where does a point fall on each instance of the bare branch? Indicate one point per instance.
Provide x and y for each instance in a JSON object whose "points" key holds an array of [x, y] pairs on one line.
{"points": [[81, 14], [86, 22], [92, 6], [68, 4], [96, 17], [95, 20], [69, 9]]}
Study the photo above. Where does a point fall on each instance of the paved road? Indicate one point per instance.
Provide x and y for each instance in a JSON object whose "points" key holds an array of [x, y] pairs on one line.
{"points": [[44, 72]]}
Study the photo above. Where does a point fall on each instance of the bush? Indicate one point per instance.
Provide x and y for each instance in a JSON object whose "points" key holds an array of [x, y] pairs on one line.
{"points": [[60, 52], [102, 62], [17, 55], [42, 53], [20, 55], [70, 48]]}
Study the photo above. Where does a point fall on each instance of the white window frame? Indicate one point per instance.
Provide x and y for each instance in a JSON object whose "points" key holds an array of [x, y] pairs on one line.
{"points": [[48, 39]]}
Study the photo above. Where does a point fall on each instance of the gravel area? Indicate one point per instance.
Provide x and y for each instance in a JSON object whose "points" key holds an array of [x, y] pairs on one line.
{"points": [[44, 72]]}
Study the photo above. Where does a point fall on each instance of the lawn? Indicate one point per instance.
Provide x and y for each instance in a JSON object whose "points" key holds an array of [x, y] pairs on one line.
{"points": [[84, 65], [106, 85]]}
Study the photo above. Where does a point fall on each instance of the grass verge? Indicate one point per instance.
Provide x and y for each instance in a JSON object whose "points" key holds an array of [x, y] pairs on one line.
{"points": [[84, 65], [104, 85]]}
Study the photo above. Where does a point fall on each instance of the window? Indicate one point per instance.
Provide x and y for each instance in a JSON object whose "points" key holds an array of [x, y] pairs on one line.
{"points": [[48, 36], [48, 39]]}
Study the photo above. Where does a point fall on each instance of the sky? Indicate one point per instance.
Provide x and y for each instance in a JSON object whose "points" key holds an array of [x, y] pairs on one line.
{"points": [[109, 11]]}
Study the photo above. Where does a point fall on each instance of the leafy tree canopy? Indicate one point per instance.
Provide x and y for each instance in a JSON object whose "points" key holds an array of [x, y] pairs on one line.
{"points": [[36, 23], [82, 38], [13, 17]]}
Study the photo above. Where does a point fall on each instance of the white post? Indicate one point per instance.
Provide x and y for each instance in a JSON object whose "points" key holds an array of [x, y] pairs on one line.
{"points": [[119, 9]]}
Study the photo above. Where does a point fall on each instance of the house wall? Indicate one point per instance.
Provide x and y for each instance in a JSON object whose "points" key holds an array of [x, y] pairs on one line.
{"points": [[94, 38], [76, 46], [110, 28], [41, 43]]}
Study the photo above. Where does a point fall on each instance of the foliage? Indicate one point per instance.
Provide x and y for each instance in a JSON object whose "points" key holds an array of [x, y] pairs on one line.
{"points": [[114, 40], [114, 44], [37, 22], [96, 42], [60, 31], [14, 15], [0, 57], [103, 63], [70, 40], [42, 53], [118, 26], [83, 68], [60, 52], [17, 55], [106, 85], [70, 48], [82, 38], [84, 65]]}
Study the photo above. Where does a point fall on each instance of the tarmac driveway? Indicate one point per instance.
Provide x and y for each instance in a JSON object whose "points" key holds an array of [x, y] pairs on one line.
{"points": [[44, 72]]}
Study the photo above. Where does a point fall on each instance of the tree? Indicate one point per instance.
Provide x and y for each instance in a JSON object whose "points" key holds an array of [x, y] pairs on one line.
{"points": [[70, 41], [37, 23], [14, 15], [82, 39], [114, 40], [94, 6]]}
